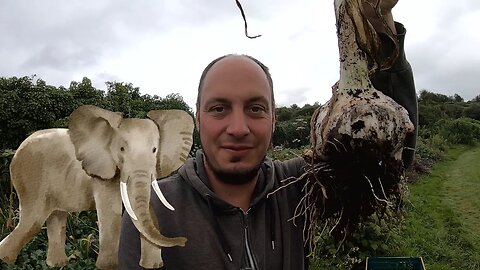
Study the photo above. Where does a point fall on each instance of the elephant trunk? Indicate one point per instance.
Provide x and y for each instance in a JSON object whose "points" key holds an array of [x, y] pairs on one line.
{"points": [[136, 198]]}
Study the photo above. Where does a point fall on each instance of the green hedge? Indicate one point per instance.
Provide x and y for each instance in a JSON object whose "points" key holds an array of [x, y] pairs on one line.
{"points": [[461, 131]]}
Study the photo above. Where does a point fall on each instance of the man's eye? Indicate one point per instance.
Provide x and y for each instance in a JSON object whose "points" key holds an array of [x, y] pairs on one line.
{"points": [[257, 109], [218, 109]]}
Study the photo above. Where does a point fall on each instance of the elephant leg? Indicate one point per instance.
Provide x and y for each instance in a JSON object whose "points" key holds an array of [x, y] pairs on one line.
{"points": [[56, 231], [29, 225], [109, 213], [151, 255]]}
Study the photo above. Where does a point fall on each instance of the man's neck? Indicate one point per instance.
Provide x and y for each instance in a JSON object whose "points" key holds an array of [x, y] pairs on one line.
{"points": [[239, 195]]}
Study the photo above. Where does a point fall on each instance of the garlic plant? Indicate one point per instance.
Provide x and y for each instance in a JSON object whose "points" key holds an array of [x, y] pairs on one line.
{"points": [[358, 114], [354, 164]]}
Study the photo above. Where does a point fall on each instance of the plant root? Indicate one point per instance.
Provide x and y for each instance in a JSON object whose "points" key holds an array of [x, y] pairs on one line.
{"points": [[339, 192]]}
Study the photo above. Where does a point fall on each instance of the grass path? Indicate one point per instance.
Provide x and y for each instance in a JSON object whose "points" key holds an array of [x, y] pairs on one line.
{"points": [[443, 216], [463, 187]]}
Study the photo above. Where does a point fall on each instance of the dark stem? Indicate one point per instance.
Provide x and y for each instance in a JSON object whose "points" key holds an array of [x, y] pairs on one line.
{"points": [[245, 21]]}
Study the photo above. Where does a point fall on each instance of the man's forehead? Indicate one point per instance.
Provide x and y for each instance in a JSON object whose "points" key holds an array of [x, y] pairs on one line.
{"points": [[235, 67], [227, 91], [235, 77]]}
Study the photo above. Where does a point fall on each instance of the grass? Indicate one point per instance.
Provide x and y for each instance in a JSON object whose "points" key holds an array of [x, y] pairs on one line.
{"points": [[442, 223]]}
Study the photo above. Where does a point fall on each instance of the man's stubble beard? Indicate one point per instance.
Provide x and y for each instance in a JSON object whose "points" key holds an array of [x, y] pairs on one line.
{"points": [[234, 177]]}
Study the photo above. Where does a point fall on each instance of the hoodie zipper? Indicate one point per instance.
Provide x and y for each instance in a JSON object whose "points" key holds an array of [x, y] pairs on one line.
{"points": [[248, 247]]}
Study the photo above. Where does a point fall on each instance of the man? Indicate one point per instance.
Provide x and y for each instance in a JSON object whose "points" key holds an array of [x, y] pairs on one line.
{"points": [[220, 196]]}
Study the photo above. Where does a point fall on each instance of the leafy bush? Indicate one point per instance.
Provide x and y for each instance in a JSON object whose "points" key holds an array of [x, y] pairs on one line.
{"points": [[432, 148], [292, 133], [375, 237], [81, 245], [461, 131], [5, 196], [472, 111]]}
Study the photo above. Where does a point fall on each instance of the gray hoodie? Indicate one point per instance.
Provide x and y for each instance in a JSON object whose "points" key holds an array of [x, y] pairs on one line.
{"points": [[217, 231]]}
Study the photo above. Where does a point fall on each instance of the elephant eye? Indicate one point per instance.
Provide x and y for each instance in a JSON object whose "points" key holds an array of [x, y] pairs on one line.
{"points": [[154, 149], [122, 149]]}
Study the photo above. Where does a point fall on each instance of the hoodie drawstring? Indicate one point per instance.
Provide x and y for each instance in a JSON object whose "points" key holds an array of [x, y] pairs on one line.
{"points": [[271, 209], [270, 223], [218, 230], [271, 219]]}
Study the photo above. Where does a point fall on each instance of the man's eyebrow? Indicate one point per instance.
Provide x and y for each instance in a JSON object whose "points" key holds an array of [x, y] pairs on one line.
{"points": [[217, 100], [220, 100], [258, 99]]}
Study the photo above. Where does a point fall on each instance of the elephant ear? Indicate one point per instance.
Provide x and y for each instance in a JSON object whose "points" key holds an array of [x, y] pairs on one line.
{"points": [[176, 139], [91, 129]]}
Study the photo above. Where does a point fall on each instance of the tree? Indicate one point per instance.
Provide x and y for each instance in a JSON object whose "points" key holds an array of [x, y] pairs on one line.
{"points": [[429, 97], [284, 114], [307, 110], [28, 104], [120, 97], [472, 111], [174, 101], [84, 93], [457, 98]]}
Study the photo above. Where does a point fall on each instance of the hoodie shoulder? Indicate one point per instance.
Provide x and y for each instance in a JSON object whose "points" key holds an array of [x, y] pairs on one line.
{"points": [[290, 168]]}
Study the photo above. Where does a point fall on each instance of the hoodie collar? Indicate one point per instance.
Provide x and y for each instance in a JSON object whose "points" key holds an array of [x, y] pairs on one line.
{"points": [[194, 172]]}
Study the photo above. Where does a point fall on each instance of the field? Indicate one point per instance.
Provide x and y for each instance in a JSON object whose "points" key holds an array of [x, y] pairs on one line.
{"points": [[442, 223]]}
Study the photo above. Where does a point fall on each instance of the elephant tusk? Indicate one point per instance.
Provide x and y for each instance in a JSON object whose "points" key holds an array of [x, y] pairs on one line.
{"points": [[126, 201], [160, 195]]}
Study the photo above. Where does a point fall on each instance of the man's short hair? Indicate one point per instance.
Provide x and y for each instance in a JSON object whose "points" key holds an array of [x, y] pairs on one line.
{"points": [[207, 68]]}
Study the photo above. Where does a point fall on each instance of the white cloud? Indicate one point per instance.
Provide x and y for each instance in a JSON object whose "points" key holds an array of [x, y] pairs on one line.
{"points": [[162, 46]]}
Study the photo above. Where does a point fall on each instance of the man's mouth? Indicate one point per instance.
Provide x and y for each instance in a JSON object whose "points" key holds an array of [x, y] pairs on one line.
{"points": [[237, 148]]}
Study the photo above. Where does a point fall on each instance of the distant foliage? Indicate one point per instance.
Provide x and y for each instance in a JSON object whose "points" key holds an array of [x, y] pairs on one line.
{"points": [[292, 129], [434, 107], [294, 111], [292, 133], [472, 111], [461, 131], [28, 104]]}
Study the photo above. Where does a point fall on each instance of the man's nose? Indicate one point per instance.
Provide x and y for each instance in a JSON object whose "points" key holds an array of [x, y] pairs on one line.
{"points": [[238, 124]]}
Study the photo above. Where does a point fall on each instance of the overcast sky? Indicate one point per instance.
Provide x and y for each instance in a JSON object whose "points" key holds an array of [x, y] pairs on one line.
{"points": [[162, 46]]}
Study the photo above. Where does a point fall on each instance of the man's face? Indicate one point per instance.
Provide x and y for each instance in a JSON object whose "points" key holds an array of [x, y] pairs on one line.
{"points": [[235, 118]]}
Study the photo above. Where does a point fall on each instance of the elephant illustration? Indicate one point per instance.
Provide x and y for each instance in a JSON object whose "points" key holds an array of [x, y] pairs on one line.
{"points": [[101, 160]]}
